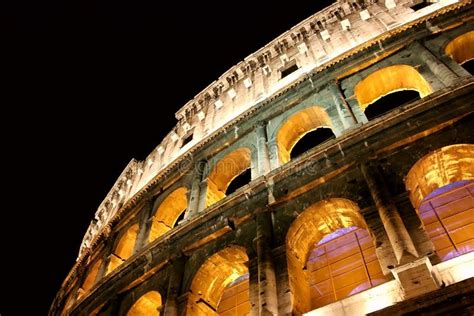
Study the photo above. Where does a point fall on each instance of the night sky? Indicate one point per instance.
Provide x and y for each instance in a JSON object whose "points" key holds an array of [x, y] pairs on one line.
{"points": [[87, 87]]}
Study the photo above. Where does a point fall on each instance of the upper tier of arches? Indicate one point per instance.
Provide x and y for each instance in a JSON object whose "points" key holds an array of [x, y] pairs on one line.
{"points": [[310, 45]]}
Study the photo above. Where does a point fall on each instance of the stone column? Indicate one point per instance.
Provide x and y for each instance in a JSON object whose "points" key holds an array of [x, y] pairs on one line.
{"points": [[273, 154], [202, 195], [253, 286], [107, 252], [267, 287], [145, 226], [398, 235], [346, 115], [194, 195], [437, 67], [263, 158], [285, 299], [112, 308], [174, 286], [182, 301]]}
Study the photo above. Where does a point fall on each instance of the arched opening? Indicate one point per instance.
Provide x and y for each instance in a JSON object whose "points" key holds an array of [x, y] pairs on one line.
{"points": [[124, 248], [331, 255], [461, 50], [390, 80], [297, 126], [310, 140], [469, 66], [239, 181], [226, 170], [221, 286], [92, 275], [389, 102], [169, 213], [441, 188], [148, 304]]}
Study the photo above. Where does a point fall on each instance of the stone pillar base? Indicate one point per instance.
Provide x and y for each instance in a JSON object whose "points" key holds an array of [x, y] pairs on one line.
{"points": [[416, 277]]}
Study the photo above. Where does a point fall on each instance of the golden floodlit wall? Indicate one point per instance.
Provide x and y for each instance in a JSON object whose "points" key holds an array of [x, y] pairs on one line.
{"points": [[168, 212], [149, 304], [211, 280], [224, 172], [299, 125], [379, 213], [387, 80], [461, 49]]}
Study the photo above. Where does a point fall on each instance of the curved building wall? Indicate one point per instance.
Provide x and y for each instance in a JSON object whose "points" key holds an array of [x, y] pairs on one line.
{"points": [[173, 238]]}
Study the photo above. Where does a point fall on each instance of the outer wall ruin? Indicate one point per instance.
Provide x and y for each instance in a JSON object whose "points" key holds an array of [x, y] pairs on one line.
{"points": [[375, 216]]}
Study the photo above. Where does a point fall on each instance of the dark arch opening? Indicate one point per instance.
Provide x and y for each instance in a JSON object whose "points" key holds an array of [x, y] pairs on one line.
{"points": [[469, 66], [238, 182], [311, 140], [180, 217], [389, 102]]}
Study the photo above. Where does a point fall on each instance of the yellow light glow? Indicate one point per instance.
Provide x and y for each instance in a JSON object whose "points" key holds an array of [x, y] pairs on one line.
{"points": [[439, 168], [297, 126], [212, 278], [168, 212], [91, 278], [124, 248], [224, 172], [148, 304], [114, 262], [387, 80], [69, 303], [461, 49], [319, 220], [315, 222]]}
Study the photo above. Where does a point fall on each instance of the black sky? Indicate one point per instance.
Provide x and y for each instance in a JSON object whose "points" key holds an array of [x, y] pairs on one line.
{"points": [[87, 87]]}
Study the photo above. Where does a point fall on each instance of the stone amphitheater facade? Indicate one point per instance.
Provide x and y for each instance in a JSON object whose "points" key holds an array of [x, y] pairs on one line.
{"points": [[376, 217]]}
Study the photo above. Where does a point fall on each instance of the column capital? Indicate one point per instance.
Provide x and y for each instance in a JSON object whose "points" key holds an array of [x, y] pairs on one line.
{"points": [[261, 124]]}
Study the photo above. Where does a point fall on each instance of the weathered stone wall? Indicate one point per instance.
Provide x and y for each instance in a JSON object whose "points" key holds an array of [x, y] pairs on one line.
{"points": [[366, 163]]}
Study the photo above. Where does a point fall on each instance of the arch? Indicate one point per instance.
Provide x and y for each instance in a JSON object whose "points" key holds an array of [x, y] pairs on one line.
{"points": [[92, 275], [439, 168], [124, 248], [441, 186], [148, 304], [226, 169], [218, 272], [332, 228], [168, 213], [461, 49], [387, 80], [297, 126]]}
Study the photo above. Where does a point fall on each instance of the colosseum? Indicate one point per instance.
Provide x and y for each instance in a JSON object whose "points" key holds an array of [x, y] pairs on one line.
{"points": [[329, 173]]}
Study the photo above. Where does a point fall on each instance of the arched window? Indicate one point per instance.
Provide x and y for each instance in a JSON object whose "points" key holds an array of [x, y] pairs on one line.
{"points": [[373, 92], [124, 248], [331, 255], [221, 286], [168, 213], [314, 122], [225, 172], [148, 304], [441, 188], [92, 275], [461, 50]]}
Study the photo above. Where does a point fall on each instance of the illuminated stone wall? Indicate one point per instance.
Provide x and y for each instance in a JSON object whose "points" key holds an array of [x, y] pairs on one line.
{"points": [[169, 240]]}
